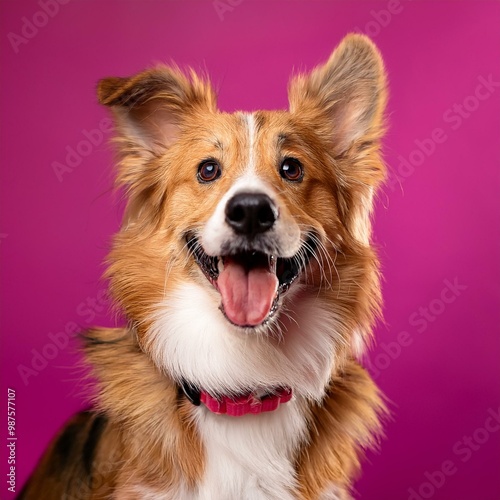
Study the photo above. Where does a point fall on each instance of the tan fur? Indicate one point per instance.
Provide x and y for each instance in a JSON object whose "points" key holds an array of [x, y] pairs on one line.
{"points": [[160, 440], [167, 123], [342, 426]]}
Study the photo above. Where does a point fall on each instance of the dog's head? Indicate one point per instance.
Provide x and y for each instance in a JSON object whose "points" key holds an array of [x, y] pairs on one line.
{"points": [[244, 258]]}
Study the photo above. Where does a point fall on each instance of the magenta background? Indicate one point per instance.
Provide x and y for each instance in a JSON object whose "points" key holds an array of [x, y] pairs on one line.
{"points": [[442, 223]]}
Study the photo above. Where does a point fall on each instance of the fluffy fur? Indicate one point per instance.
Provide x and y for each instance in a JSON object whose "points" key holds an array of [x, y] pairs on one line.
{"points": [[144, 439]]}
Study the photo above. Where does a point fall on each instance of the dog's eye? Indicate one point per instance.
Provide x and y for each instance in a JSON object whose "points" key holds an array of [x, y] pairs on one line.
{"points": [[291, 170], [208, 171]]}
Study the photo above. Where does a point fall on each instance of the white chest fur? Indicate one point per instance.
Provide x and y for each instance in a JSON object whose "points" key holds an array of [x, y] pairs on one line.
{"points": [[250, 457], [246, 458]]}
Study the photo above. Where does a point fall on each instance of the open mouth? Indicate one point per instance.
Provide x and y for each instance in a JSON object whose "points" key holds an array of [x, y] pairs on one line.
{"points": [[251, 282]]}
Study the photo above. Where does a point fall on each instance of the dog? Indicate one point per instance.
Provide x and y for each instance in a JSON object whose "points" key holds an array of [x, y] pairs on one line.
{"points": [[245, 270]]}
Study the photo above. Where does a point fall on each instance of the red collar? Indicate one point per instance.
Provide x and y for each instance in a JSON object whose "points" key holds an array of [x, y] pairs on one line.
{"points": [[237, 406]]}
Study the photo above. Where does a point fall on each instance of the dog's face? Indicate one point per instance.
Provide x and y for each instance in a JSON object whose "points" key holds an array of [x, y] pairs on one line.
{"points": [[242, 215], [246, 236]]}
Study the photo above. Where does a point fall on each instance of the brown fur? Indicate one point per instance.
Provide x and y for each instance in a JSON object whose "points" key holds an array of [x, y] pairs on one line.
{"points": [[167, 123], [345, 423], [149, 435]]}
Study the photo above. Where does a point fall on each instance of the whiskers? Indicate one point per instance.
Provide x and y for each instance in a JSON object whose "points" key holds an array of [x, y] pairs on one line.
{"points": [[315, 248]]}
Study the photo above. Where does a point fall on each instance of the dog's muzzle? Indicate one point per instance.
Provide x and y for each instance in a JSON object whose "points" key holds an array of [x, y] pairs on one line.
{"points": [[251, 271]]}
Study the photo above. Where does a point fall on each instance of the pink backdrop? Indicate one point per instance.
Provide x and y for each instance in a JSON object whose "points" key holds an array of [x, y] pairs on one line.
{"points": [[437, 222]]}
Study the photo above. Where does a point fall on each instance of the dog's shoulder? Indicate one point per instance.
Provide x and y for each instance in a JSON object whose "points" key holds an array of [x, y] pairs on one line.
{"points": [[71, 464], [342, 426]]}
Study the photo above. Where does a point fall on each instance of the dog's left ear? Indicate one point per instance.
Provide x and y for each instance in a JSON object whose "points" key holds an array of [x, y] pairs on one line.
{"points": [[149, 107], [348, 93]]}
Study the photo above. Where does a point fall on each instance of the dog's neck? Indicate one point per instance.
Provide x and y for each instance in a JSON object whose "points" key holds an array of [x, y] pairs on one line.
{"points": [[180, 438], [238, 405]]}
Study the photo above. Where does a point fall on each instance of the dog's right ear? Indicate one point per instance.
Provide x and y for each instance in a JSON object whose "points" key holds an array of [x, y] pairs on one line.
{"points": [[149, 107], [347, 94]]}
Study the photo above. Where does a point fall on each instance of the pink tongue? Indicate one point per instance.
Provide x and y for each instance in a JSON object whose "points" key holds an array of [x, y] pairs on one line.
{"points": [[247, 295]]}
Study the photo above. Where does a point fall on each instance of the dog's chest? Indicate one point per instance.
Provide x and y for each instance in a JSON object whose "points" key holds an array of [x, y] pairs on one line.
{"points": [[251, 457]]}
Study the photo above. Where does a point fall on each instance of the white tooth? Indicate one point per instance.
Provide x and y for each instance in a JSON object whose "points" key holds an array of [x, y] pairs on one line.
{"points": [[220, 265], [272, 263]]}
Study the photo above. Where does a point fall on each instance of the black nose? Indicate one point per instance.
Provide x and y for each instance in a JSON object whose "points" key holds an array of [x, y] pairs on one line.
{"points": [[251, 213]]}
